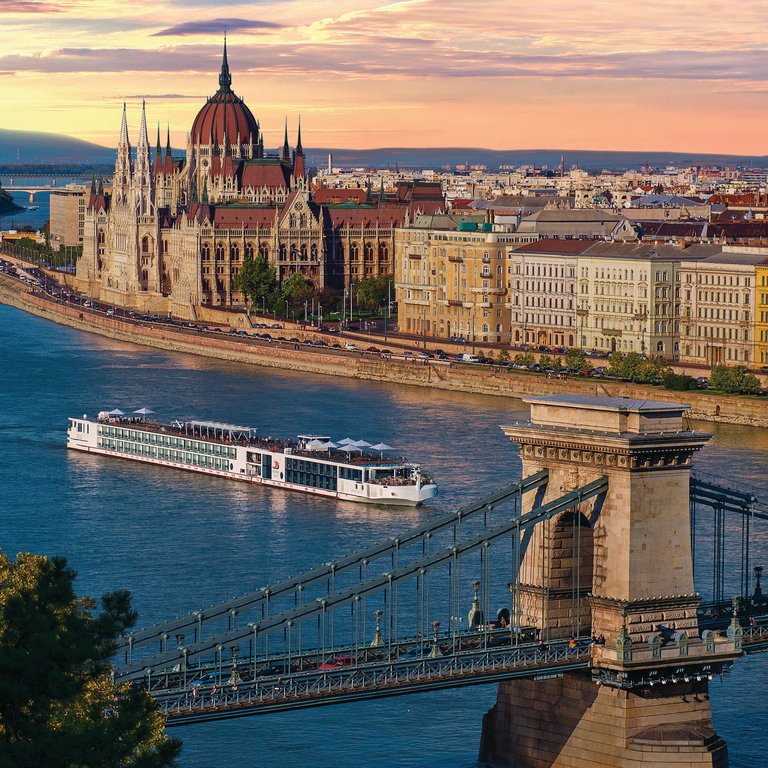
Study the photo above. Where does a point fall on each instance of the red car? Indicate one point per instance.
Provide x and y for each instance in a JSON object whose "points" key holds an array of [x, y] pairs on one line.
{"points": [[334, 662]]}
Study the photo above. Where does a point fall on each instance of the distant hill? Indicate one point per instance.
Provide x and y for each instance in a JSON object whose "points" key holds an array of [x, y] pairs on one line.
{"points": [[27, 147], [493, 158], [31, 147]]}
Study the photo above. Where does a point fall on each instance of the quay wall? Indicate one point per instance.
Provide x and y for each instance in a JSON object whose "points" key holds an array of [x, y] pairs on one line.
{"points": [[751, 411]]}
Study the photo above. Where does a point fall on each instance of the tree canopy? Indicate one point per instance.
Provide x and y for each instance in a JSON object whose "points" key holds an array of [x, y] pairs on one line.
{"points": [[734, 380], [59, 707], [634, 367], [257, 279]]}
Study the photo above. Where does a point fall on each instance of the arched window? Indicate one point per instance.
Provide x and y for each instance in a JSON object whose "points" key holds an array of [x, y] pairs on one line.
{"points": [[282, 251], [383, 252], [660, 347], [354, 252], [485, 328], [313, 252], [304, 251], [206, 251], [368, 250], [264, 250], [101, 237], [219, 252], [249, 250], [234, 253], [145, 241]]}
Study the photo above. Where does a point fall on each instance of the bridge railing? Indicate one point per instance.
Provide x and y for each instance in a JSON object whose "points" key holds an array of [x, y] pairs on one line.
{"points": [[324, 610]]}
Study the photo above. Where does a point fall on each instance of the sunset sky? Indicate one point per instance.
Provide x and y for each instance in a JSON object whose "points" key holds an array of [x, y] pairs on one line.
{"points": [[685, 75]]}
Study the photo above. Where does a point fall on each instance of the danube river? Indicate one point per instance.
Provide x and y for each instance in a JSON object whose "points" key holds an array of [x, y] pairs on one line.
{"points": [[180, 541]]}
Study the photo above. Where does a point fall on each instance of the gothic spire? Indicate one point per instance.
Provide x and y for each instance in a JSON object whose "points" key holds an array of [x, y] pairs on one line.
{"points": [[382, 196], [286, 147], [299, 150], [143, 137], [124, 129], [168, 141], [225, 79]]}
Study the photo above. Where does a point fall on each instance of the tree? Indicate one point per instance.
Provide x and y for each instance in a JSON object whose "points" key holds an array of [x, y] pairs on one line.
{"points": [[372, 292], [577, 359], [525, 358], [503, 356], [257, 279], [734, 380], [295, 291], [58, 704]]}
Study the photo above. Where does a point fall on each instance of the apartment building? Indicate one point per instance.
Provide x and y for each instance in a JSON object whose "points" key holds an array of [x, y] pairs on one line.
{"points": [[542, 288], [720, 302], [450, 280], [68, 215]]}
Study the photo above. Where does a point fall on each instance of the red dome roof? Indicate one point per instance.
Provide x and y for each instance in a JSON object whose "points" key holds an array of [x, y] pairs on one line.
{"points": [[225, 114]]}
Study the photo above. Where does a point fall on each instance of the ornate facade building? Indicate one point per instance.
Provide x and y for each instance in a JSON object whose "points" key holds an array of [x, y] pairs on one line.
{"points": [[173, 233]]}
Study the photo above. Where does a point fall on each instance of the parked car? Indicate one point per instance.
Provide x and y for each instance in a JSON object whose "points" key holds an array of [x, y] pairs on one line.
{"points": [[350, 346], [335, 662]]}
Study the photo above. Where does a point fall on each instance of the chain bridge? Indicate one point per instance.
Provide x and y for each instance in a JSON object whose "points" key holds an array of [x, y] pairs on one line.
{"points": [[581, 571]]}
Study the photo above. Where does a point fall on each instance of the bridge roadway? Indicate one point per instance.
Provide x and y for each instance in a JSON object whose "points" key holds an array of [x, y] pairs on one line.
{"points": [[470, 659]]}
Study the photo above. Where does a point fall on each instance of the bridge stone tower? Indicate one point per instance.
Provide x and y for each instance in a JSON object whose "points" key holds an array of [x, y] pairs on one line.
{"points": [[627, 557]]}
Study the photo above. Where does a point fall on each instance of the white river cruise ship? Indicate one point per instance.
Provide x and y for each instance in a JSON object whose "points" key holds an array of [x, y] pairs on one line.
{"points": [[352, 470]]}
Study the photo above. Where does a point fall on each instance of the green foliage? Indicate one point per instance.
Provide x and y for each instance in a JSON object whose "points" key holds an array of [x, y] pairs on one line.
{"points": [[294, 291], [503, 356], [58, 705], [545, 361], [575, 358], [679, 382], [257, 279], [524, 358], [734, 380], [633, 367], [372, 292]]}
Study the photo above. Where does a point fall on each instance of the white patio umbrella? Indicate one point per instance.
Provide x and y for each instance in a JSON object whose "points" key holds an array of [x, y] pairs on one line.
{"points": [[314, 445], [144, 412], [346, 441], [116, 412], [361, 444], [330, 444], [381, 447], [352, 449]]}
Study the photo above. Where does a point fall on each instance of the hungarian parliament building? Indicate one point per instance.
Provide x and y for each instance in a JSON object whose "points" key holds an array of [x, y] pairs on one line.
{"points": [[172, 233]]}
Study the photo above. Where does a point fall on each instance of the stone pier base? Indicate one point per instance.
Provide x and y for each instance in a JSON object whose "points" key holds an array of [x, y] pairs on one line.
{"points": [[572, 722]]}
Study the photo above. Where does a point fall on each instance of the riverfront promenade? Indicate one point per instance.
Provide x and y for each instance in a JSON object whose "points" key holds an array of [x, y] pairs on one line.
{"points": [[487, 380]]}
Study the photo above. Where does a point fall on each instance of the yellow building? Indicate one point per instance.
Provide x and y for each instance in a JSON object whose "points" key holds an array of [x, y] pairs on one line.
{"points": [[451, 282], [718, 307], [761, 314]]}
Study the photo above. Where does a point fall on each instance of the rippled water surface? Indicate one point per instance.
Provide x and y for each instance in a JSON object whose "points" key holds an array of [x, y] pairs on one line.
{"points": [[180, 541]]}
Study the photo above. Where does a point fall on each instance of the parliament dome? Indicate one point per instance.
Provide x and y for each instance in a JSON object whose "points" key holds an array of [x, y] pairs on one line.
{"points": [[225, 114]]}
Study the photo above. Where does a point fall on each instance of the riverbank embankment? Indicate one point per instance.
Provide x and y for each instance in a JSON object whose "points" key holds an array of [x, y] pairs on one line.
{"points": [[499, 382]]}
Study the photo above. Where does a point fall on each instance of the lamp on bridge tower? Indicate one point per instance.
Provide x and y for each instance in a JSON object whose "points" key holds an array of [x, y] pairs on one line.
{"points": [[619, 568]]}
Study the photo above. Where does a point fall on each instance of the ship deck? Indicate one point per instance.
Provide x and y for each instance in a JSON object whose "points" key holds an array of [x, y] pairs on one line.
{"points": [[244, 436]]}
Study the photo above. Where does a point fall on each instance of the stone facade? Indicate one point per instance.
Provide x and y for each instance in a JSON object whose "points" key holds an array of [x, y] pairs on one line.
{"points": [[628, 560]]}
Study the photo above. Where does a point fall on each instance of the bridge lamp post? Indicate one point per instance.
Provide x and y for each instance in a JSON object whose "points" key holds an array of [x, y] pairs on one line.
{"points": [[219, 652], [255, 629], [435, 652], [378, 638]]}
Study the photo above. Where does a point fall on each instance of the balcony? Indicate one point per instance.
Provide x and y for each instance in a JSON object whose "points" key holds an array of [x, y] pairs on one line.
{"points": [[415, 256], [456, 259]]}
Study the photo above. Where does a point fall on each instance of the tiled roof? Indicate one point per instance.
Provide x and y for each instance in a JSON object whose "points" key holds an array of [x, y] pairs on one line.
{"points": [[556, 246]]}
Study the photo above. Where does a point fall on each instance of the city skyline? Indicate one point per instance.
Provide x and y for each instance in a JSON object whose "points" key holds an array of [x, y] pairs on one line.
{"points": [[418, 73]]}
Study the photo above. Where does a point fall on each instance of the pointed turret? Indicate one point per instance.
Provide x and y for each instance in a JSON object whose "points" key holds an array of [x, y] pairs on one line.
{"points": [[143, 135], [382, 196], [225, 79], [168, 154], [204, 198], [124, 129], [158, 154], [368, 191], [298, 159], [100, 190], [286, 147]]}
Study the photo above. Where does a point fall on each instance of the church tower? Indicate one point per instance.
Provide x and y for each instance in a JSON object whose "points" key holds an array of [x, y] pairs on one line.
{"points": [[143, 183]]}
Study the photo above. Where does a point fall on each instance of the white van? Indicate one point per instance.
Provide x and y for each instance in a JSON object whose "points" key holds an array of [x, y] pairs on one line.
{"points": [[350, 346], [470, 359]]}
